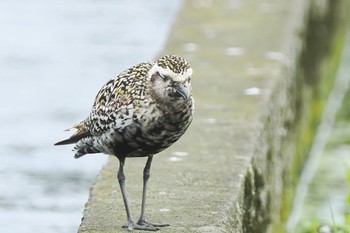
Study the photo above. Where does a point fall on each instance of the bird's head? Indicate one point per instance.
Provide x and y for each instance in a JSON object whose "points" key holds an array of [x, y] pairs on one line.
{"points": [[170, 79]]}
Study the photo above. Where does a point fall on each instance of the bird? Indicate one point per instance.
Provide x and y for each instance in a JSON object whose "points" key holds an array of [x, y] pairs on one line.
{"points": [[139, 113]]}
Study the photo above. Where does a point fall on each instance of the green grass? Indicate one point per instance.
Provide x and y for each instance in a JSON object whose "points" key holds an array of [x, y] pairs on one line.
{"points": [[315, 226]]}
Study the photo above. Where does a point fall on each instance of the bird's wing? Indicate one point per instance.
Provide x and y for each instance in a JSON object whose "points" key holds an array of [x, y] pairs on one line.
{"points": [[108, 102], [113, 103]]}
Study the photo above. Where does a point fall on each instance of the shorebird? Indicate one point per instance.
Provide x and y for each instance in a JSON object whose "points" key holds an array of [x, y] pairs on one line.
{"points": [[142, 111]]}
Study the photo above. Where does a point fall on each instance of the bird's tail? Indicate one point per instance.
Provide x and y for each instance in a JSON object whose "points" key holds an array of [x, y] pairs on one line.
{"points": [[85, 142], [73, 139], [81, 133]]}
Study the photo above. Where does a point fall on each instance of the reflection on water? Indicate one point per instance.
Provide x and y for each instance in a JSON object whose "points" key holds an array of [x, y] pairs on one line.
{"points": [[55, 55]]}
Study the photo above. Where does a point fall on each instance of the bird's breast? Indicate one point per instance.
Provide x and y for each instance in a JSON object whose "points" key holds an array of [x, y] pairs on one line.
{"points": [[149, 131]]}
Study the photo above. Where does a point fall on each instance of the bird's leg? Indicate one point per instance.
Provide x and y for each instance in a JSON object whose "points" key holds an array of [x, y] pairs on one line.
{"points": [[131, 224], [146, 175], [121, 180]]}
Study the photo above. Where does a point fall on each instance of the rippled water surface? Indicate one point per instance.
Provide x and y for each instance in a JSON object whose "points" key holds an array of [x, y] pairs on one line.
{"points": [[54, 57]]}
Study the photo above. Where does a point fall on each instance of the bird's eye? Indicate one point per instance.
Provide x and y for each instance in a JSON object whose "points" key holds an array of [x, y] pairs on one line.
{"points": [[164, 77]]}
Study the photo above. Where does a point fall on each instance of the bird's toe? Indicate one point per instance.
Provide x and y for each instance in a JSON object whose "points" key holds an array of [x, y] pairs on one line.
{"points": [[144, 223], [144, 226]]}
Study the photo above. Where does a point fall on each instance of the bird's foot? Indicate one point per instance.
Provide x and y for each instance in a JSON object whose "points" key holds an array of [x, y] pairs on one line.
{"points": [[144, 223], [144, 226]]}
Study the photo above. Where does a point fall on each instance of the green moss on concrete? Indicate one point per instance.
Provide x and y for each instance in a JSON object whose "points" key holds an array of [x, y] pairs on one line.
{"points": [[330, 183], [257, 219], [318, 66]]}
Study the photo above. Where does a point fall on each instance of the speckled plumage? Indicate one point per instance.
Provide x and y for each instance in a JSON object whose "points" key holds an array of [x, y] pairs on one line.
{"points": [[128, 119], [142, 111]]}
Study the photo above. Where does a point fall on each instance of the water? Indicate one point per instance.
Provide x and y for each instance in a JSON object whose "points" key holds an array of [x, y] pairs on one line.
{"points": [[54, 57]]}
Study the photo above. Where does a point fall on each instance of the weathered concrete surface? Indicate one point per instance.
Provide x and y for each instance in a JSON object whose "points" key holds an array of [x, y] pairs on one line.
{"points": [[262, 71]]}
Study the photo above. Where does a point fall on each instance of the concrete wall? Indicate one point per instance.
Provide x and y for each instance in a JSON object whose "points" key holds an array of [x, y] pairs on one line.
{"points": [[262, 73]]}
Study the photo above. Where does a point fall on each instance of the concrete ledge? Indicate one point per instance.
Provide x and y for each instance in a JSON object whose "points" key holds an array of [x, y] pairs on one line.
{"points": [[262, 73]]}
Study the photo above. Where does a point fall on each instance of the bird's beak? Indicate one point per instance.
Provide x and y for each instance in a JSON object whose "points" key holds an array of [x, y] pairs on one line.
{"points": [[182, 90]]}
